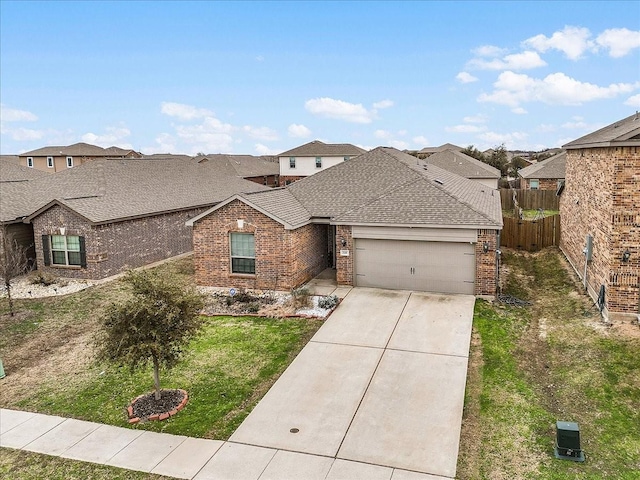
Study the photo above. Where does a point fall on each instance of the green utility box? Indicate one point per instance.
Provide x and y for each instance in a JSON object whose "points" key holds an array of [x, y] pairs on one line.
{"points": [[568, 442]]}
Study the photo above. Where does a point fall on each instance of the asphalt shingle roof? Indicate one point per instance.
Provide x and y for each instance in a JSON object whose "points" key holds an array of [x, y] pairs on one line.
{"points": [[103, 191], [77, 149], [13, 172], [625, 131], [243, 165], [462, 164], [552, 167], [317, 148], [441, 148]]}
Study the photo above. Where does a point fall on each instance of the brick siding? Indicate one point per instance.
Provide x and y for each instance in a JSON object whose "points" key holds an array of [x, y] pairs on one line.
{"points": [[344, 265], [285, 259], [601, 198], [287, 179], [115, 247], [486, 268]]}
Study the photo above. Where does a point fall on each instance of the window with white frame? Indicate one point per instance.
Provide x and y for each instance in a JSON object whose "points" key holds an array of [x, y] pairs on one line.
{"points": [[534, 184], [243, 253], [30, 162], [69, 162], [347, 157], [292, 162], [50, 162], [65, 250], [318, 162]]}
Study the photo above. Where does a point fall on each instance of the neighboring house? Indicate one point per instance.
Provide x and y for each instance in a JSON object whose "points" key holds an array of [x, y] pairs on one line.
{"points": [[313, 157], [379, 219], [59, 158], [601, 201], [468, 167], [263, 170], [103, 217], [545, 175], [15, 159], [428, 151], [14, 181]]}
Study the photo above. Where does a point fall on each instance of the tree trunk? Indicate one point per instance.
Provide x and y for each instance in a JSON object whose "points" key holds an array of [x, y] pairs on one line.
{"points": [[156, 376], [8, 288]]}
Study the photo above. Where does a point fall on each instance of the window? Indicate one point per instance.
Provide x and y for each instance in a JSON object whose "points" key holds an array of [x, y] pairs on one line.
{"points": [[347, 158], [318, 162], [30, 162], [50, 162], [65, 250], [69, 162], [534, 184], [243, 253], [292, 162]]}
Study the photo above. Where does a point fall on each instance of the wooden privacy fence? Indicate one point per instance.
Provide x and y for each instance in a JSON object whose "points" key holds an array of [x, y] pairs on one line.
{"points": [[530, 235], [530, 199]]}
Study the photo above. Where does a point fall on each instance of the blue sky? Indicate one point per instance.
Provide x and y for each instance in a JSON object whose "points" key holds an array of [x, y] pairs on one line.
{"points": [[263, 77]]}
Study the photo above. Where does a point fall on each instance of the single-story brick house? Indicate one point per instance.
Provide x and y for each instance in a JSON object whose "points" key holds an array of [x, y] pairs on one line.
{"points": [[548, 174], [105, 216], [600, 207], [379, 219], [461, 164]]}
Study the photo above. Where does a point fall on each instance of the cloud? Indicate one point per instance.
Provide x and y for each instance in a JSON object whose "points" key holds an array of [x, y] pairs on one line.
{"points": [[519, 111], [259, 58], [475, 119], [619, 41], [508, 139], [383, 104], [420, 140], [184, 112], [382, 134], [464, 77], [488, 51], [514, 89], [633, 101], [465, 128], [264, 150], [572, 41], [340, 110], [298, 131], [399, 144], [261, 133], [517, 61], [23, 134], [113, 136], [211, 136], [14, 115]]}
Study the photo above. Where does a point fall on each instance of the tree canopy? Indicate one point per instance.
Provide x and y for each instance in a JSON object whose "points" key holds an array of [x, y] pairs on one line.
{"points": [[153, 326]]}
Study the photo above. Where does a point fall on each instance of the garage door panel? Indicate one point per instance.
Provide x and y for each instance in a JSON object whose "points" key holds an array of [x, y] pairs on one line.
{"points": [[445, 267]]}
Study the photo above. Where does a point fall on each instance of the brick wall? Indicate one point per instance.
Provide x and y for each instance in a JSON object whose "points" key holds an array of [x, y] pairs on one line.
{"points": [[543, 183], [288, 178], [344, 265], [486, 269], [601, 198], [284, 258], [115, 247]]}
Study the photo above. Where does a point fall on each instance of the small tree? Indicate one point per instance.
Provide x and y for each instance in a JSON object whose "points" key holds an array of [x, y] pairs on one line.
{"points": [[13, 261], [152, 327]]}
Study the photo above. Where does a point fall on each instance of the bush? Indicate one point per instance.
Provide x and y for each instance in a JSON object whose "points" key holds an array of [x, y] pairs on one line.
{"points": [[42, 278], [328, 302], [300, 297], [253, 307]]}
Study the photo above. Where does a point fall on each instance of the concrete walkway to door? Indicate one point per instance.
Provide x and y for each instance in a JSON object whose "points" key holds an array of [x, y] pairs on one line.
{"points": [[382, 383]]}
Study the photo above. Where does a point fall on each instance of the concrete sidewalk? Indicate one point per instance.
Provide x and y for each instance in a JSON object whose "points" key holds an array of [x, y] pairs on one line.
{"points": [[177, 456]]}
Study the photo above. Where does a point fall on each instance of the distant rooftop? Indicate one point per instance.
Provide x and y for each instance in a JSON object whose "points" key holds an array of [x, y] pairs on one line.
{"points": [[318, 148]]}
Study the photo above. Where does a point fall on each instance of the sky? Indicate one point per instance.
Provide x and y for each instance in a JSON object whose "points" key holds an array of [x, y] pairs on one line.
{"points": [[260, 78]]}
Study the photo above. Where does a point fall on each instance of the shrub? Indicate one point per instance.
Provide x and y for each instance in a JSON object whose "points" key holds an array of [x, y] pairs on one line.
{"points": [[328, 302], [42, 278], [300, 297], [253, 307]]}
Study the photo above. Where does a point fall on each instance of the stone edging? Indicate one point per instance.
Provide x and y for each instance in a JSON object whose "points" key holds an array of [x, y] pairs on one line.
{"points": [[157, 416]]}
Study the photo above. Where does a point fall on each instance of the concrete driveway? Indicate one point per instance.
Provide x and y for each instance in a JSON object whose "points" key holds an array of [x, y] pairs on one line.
{"points": [[382, 382]]}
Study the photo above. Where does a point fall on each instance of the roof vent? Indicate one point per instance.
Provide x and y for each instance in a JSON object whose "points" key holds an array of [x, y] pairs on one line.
{"points": [[439, 182]]}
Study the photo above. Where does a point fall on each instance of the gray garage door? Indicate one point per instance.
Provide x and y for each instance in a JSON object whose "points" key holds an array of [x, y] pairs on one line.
{"points": [[445, 267]]}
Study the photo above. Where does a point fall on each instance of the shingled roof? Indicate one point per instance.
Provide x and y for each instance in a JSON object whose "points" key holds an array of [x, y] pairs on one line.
{"points": [[462, 164], [317, 148], [552, 167], [79, 150], [13, 172], [244, 166], [381, 187], [625, 132], [104, 191]]}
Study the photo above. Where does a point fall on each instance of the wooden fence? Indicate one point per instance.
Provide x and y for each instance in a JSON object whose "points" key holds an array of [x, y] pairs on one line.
{"points": [[530, 199], [530, 235]]}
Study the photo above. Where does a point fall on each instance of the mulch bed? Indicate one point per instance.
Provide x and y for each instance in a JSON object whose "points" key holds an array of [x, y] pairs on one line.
{"points": [[147, 408]]}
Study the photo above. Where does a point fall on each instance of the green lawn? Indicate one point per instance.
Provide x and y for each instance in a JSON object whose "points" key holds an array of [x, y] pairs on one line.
{"points": [[552, 361], [50, 367]]}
